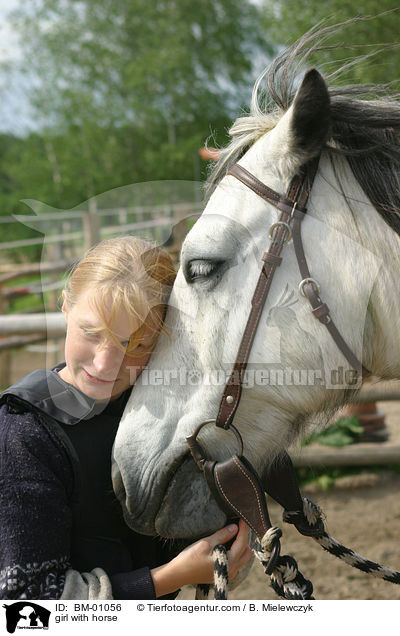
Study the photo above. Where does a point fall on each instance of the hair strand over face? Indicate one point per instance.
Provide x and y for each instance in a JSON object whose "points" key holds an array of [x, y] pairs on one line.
{"points": [[124, 274]]}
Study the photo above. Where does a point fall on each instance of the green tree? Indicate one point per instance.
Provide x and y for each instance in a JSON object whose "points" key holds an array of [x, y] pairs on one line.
{"points": [[128, 90], [24, 168], [374, 33]]}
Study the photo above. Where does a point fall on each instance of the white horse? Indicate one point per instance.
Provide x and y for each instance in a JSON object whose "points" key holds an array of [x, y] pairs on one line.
{"points": [[296, 373]]}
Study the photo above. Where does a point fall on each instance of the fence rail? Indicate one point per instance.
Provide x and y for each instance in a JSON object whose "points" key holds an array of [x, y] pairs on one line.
{"points": [[80, 234], [94, 225], [14, 270], [78, 214], [52, 324], [317, 456]]}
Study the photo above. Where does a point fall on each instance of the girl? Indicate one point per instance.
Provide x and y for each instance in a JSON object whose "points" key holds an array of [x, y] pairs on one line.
{"points": [[63, 535]]}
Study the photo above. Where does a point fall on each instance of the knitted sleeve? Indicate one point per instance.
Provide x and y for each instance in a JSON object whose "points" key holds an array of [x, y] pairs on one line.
{"points": [[36, 481]]}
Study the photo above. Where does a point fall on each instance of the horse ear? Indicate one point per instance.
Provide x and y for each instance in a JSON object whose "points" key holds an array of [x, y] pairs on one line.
{"points": [[310, 123]]}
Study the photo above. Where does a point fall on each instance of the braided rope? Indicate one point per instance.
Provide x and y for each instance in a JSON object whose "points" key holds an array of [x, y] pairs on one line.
{"points": [[288, 582], [313, 515], [202, 591], [286, 579], [220, 558], [262, 551]]}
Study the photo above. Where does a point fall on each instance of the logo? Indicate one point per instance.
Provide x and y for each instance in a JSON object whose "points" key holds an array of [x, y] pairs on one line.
{"points": [[26, 615]]}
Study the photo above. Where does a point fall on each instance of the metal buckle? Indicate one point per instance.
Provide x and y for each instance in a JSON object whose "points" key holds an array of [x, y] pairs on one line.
{"points": [[286, 226], [197, 451], [313, 282]]}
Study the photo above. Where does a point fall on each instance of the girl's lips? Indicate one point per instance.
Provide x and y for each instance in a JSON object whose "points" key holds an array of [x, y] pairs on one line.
{"points": [[95, 380]]}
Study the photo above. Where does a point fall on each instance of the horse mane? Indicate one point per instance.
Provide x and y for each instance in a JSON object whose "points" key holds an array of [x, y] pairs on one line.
{"points": [[365, 121]]}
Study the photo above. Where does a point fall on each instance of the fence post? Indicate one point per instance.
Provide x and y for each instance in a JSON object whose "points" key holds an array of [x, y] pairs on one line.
{"points": [[180, 227], [91, 226]]}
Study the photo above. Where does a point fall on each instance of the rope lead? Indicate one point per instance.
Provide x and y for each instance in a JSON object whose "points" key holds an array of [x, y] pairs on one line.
{"points": [[286, 579], [220, 558], [313, 518]]}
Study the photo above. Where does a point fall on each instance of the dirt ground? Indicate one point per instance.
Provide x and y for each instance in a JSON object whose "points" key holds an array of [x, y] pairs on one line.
{"points": [[362, 512]]}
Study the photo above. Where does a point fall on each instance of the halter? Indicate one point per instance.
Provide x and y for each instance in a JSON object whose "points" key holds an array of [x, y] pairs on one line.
{"points": [[235, 484]]}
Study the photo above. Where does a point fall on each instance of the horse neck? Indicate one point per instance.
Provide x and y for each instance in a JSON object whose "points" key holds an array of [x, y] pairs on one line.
{"points": [[357, 218]]}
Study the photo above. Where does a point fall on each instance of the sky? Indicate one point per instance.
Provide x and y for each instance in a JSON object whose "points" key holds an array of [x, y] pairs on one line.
{"points": [[8, 40], [14, 103]]}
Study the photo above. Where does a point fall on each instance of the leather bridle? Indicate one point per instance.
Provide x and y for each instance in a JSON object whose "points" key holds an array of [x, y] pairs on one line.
{"points": [[234, 482], [293, 211]]}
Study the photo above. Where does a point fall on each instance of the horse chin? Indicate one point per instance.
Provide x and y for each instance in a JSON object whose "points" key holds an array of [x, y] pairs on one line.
{"points": [[188, 510]]}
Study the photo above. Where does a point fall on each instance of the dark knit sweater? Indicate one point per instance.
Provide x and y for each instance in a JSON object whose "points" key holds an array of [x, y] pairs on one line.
{"points": [[57, 510]]}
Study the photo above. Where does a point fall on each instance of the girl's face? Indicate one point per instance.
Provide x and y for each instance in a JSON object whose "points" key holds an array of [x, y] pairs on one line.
{"points": [[98, 368]]}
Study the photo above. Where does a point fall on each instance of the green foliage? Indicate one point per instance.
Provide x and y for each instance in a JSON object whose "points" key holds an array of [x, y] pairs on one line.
{"points": [[376, 30], [325, 478], [344, 431], [125, 91]]}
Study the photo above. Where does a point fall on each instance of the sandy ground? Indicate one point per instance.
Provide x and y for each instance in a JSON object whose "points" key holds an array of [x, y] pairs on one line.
{"points": [[362, 512]]}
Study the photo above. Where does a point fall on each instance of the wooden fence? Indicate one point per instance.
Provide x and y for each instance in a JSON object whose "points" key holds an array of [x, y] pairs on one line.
{"points": [[152, 222]]}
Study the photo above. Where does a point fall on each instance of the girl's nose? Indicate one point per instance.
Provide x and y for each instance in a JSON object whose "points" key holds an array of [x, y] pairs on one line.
{"points": [[107, 361]]}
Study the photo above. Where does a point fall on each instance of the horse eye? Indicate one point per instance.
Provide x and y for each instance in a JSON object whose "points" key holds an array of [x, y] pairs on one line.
{"points": [[201, 269]]}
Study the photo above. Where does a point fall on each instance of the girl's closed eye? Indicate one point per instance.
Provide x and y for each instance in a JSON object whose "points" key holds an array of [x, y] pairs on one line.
{"points": [[141, 348], [89, 333], [137, 348]]}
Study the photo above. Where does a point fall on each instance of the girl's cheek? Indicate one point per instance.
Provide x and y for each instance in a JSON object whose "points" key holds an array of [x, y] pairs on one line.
{"points": [[84, 348]]}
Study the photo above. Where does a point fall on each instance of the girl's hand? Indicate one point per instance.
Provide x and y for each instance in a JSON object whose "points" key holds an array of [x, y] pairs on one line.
{"points": [[195, 563]]}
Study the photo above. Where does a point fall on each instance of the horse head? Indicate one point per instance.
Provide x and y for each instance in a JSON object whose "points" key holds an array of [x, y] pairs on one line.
{"points": [[352, 252]]}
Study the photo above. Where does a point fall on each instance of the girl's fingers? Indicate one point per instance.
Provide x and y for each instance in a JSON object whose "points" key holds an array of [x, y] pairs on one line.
{"points": [[241, 541], [223, 535]]}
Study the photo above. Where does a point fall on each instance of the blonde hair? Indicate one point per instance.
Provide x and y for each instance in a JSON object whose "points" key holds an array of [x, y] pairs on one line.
{"points": [[128, 274]]}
